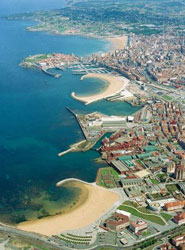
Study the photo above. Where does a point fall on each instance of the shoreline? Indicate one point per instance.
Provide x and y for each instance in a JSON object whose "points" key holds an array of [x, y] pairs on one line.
{"points": [[90, 191], [115, 85], [118, 42], [83, 214]]}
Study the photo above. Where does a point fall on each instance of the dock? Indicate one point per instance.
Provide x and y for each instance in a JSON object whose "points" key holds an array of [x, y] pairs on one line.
{"points": [[81, 146], [50, 74], [62, 182], [64, 152], [72, 148], [81, 69], [72, 112], [60, 68]]}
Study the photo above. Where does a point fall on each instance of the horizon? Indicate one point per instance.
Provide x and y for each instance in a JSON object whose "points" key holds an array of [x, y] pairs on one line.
{"points": [[92, 125], [8, 7]]}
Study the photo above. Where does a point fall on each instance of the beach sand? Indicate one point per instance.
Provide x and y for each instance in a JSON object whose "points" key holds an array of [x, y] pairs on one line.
{"points": [[114, 85], [95, 202], [119, 42]]}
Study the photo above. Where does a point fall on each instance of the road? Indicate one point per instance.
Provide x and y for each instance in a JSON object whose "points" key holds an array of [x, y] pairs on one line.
{"points": [[54, 244], [31, 237]]}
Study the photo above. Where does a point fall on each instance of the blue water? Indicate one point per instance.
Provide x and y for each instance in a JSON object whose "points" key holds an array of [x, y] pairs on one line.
{"points": [[35, 125], [21, 6]]}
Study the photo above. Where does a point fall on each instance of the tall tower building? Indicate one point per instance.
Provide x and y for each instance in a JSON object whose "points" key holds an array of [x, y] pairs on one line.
{"points": [[170, 167], [180, 171]]}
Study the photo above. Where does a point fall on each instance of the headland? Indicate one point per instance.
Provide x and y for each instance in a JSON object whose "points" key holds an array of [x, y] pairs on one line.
{"points": [[115, 84]]}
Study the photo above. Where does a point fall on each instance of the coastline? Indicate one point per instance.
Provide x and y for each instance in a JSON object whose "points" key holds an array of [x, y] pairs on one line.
{"points": [[115, 85], [83, 198], [118, 42], [84, 213]]}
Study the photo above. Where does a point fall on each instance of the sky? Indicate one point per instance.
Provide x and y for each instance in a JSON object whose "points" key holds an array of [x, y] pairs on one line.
{"points": [[19, 6]]}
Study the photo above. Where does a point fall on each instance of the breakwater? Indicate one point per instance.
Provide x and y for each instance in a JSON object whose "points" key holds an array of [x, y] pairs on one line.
{"points": [[65, 152], [75, 115], [51, 74], [60, 183]]}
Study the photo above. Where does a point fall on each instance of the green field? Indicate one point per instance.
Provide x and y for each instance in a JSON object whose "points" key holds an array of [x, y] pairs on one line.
{"points": [[35, 59], [145, 234], [166, 216], [107, 174], [154, 181], [145, 210], [162, 177], [110, 170], [160, 196], [167, 97], [150, 217], [172, 188], [131, 203]]}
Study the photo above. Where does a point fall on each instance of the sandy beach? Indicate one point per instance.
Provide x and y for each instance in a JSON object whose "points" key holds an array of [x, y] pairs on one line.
{"points": [[98, 200], [119, 42], [114, 85]]}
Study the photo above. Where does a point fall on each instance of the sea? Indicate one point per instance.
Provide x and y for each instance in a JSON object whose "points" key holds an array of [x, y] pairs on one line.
{"points": [[34, 122]]}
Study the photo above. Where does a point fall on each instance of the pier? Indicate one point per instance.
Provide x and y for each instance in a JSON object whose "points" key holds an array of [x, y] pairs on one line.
{"points": [[81, 69], [60, 183], [72, 112], [50, 74], [81, 146], [60, 67], [65, 152]]}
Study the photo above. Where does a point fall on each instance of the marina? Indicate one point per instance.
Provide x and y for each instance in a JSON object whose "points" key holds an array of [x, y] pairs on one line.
{"points": [[83, 69]]}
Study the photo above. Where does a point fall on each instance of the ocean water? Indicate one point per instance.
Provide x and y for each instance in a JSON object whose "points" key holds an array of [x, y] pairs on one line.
{"points": [[35, 125], [21, 6]]}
